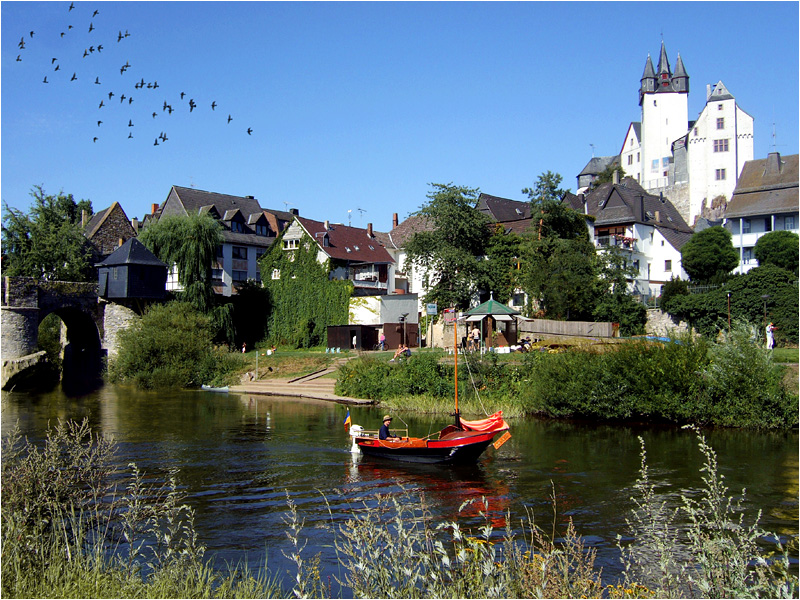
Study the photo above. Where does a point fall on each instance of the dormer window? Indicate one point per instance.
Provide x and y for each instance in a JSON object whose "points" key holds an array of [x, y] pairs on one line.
{"points": [[237, 226], [262, 230], [326, 241]]}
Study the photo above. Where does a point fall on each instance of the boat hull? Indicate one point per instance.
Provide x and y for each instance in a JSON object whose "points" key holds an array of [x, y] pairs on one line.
{"points": [[461, 449]]}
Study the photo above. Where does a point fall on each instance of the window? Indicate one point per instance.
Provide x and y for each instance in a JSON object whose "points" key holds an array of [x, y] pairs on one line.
{"points": [[276, 273], [630, 159], [291, 244], [216, 274], [721, 123], [518, 300], [789, 223], [668, 266], [262, 230], [745, 225], [260, 252], [695, 132], [220, 253], [637, 157], [239, 275], [654, 165], [237, 226], [719, 106], [239, 252], [721, 145], [767, 224], [747, 255], [636, 266], [719, 174]]}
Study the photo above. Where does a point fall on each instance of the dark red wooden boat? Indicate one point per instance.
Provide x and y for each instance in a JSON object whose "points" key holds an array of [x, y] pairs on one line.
{"points": [[461, 442]]}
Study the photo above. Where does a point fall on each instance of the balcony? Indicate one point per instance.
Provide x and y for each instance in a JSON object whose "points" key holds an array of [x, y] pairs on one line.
{"points": [[620, 241]]}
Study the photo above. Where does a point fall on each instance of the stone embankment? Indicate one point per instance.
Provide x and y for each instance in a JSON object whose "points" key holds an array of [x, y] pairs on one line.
{"points": [[314, 385]]}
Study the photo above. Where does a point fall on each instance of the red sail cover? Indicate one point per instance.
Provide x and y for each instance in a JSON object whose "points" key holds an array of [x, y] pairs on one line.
{"points": [[493, 422]]}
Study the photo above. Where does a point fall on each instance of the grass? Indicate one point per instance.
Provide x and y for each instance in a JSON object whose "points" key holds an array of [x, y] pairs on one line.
{"points": [[785, 355]]}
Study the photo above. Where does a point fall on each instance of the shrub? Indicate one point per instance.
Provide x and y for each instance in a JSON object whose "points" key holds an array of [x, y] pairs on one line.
{"points": [[171, 347]]}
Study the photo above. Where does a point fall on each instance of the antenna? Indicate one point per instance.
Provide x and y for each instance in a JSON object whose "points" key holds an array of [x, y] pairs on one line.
{"points": [[592, 145], [349, 212], [287, 205], [361, 216]]}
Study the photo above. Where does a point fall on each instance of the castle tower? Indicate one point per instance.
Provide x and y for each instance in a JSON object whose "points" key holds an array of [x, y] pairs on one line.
{"points": [[664, 98]]}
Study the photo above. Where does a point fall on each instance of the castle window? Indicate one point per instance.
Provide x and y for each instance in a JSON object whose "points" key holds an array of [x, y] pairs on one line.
{"points": [[721, 123], [719, 174], [721, 145], [719, 106]]}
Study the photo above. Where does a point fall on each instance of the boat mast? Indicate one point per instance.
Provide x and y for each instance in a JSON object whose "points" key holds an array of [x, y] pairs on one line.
{"points": [[455, 347]]}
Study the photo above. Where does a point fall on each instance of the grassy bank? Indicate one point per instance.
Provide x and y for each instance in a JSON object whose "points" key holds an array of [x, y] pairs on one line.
{"points": [[73, 527], [732, 382]]}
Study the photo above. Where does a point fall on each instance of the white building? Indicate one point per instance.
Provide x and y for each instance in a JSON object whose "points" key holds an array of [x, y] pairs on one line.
{"points": [[766, 199], [696, 162]]}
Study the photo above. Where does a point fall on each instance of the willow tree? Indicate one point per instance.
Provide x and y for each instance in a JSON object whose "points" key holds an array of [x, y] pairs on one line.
{"points": [[189, 245]]}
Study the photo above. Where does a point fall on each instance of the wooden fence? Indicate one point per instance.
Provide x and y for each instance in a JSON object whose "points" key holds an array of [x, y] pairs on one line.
{"points": [[538, 328]]}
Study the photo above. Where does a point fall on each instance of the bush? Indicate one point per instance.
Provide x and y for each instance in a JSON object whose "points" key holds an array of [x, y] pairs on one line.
{"points": [[171, 347], [779, 248]]}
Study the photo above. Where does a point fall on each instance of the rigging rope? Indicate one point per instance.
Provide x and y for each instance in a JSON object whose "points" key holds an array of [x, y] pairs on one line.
{"points": [[472, 381]]}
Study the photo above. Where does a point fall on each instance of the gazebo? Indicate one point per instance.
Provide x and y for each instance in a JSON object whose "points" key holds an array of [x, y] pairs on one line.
{"points": [[493, 312]]}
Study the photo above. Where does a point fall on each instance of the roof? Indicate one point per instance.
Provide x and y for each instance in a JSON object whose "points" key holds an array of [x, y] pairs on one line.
{"points": [[627, 202], [518, 226], [352, 244], [597, 164], [503, 209], [574, 202], [674, 237], [399, 235], [766, 186], [97, 220], [132, 252], [492, 307], [720, 92]]}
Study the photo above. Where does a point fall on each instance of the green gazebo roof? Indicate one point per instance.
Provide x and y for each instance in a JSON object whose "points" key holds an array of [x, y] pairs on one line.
{"points": [[491, 307]]}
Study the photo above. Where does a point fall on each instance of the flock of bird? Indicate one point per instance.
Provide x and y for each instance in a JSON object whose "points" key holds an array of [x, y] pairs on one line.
{"points": [[106, 99]]}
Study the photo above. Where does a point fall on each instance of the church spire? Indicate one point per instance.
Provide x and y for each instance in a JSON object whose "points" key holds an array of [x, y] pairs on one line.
{"points": [[680, 80], [648, 81], [663, 64]]}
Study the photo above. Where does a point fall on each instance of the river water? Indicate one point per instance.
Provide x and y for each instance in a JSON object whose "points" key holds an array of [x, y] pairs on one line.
{"points": [[240, 455]]}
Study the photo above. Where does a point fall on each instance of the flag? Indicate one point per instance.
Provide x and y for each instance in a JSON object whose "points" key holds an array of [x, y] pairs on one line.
{"points": [[347, 420]]}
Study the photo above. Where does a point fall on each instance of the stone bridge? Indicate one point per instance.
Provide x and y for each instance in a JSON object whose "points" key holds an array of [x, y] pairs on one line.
{"points": [[25, 301]]}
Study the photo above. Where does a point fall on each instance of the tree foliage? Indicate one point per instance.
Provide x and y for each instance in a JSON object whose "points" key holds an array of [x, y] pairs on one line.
{"points": [[709, 253], [171, 346], [560, 267], [779, 248], [190, 244], [303, 300], [546, 189], [448, 256], [502, 267], [614, 303], [607, 174], [47, 242], [708, 312]]}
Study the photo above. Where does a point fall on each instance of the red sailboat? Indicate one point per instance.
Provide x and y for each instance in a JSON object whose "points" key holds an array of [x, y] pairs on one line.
{"points": [[462, 442]]}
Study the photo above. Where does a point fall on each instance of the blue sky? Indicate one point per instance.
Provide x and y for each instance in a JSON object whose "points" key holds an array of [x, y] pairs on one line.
{"points": [[359, 106]]}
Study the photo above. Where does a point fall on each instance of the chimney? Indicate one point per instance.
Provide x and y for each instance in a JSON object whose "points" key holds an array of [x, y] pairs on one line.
{"points": [[369, 230], [153, 209], [773, 166], [121, 241], [615, 176], [708, 91], [658, 216], [327, 225], [294, 211], [641, 207], [250, 197], [84, 217], [135, 224], [394, 220], [582, 198]]}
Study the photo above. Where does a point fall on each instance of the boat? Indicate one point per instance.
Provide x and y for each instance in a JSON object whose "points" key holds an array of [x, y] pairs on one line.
{"points": [[208, 388], [459, 443]]}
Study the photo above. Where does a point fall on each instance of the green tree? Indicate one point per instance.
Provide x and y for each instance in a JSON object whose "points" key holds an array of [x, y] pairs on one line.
{"points": [[302, 299], [607, 174], [709, 254], [171, 346], [47, 242], [615, 304], [502, 273], [449, 256], [546, 189], [560, 267], [779, 248], [190, 244], [672, 289]]}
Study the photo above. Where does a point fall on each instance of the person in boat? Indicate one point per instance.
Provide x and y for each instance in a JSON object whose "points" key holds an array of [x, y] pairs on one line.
{"points": [[384, 433], [402, 351]]}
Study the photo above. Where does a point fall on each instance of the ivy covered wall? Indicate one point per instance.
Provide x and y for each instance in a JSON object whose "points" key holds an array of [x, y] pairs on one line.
{"points": [[303, 299]]}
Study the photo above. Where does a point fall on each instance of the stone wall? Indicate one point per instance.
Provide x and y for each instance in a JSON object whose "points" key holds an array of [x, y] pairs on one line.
{"points": [[661, 324], [117, 318]]}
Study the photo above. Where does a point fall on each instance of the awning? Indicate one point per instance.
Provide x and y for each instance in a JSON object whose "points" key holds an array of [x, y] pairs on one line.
{"points": [[475, 318], [495, 317]]}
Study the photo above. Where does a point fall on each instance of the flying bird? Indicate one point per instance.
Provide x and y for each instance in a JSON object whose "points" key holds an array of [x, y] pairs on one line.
{"points": [[169, 109], [122, 99], [85, 53], [95, 13], [130, 123], [18, 58], [99, 123], [249, 131], [130, 135], [156, 144], [91, 27], [94, 139], [119, 37], [71, 6], [69, 26], [155, 114], [130, 100], [91, 49], [155, 85], [230, 118], [97, 80], [31, 34], [57, 68], [74, 77], [99, 47], [62, 34], [52, 60], [191, 105], [45, 79], [182, 95], [163, 136], [22, 43], [110, 95], [101, 104], [213, 105]]}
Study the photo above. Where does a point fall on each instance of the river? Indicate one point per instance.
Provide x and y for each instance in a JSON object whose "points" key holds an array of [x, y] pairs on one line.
{"points": [[240, 455]]}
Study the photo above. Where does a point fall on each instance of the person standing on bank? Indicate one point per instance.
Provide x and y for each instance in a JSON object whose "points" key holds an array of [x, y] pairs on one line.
{"points": [[384, 433], [770, 336]]}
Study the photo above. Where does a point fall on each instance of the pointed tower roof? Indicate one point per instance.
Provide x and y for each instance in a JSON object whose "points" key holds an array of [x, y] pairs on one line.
{"points": [[649, 71], [663, 62], [680, 70]]}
